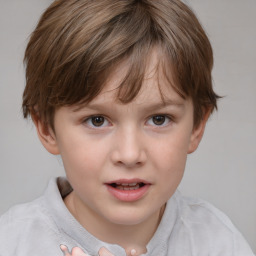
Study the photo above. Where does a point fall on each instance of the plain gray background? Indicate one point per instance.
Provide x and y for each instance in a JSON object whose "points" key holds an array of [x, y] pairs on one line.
{"points": [[222, 171]]}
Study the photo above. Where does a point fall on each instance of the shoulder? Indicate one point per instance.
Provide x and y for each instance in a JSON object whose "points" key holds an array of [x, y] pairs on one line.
{"points": [[209, 228], [195, 210], [26, 222], [19, 215], [27, 215]]}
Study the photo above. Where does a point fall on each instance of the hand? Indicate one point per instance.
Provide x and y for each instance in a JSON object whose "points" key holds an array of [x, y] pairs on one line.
{"points": [[76, 251]]}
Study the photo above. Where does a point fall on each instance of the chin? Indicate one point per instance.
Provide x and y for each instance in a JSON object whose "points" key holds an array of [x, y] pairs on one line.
{"points": [[127, 222], [127, 219]]}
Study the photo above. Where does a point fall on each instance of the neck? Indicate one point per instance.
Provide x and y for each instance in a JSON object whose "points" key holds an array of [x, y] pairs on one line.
{"points": [[131, 237]]}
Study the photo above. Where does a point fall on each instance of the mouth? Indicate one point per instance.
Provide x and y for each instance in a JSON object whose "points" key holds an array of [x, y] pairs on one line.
{"points": [[128, 190]]}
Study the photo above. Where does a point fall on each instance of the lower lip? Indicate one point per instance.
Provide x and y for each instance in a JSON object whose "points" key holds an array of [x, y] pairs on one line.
{"points": [[128, 195]]}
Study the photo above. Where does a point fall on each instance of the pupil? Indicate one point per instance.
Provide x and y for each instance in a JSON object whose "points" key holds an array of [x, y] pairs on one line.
{"points": [[98, 120], [158, 120]]}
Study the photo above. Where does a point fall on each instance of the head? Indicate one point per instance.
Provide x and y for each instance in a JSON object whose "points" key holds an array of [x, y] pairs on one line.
{"points": [[77, 44], [122, 90]]}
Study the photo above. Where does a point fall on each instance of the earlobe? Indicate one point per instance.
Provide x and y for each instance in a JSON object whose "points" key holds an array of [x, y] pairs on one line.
{"points": [[46, 135], [198, 133]]}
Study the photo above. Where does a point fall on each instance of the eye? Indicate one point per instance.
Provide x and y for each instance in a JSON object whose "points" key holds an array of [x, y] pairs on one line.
{"points": [[159, 120], [97, 121]]}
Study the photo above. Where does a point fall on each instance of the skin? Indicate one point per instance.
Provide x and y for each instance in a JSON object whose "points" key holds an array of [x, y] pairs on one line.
{"points": [[76, 251], [142, 140]]}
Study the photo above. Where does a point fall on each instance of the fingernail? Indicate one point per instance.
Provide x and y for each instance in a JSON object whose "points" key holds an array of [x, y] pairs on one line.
{"points": [[64, 249]]}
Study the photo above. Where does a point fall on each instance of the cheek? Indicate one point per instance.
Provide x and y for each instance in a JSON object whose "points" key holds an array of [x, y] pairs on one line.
{"points": [[172, 150], [83, 166], [82, 157], [170, 159], [171, 172], [172, 166]]}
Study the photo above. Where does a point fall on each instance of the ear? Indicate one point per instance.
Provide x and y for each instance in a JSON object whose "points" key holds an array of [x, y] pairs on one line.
{"points": [[198, 133], [46, 135]]}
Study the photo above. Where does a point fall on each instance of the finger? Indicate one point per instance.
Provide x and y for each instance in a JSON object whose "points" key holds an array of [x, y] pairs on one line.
{"points": [[76, 251], [65, 251], [104, 252]]}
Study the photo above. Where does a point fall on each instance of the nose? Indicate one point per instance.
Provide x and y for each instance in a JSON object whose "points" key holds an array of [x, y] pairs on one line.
{"points": [[129, 149]]}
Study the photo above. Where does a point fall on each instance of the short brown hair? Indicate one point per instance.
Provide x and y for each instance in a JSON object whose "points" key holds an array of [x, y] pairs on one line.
{"points": [[78, 42]]}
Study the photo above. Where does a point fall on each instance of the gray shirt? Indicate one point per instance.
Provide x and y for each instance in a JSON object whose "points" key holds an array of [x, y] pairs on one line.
{"points": [[189, 227]]}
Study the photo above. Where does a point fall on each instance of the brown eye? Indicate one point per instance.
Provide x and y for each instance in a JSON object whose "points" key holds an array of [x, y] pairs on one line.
{"points": [[97, 121], [158, 120]]}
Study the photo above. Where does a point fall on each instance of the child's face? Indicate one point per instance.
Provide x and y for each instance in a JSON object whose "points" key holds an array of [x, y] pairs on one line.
{"points": [[124, 161]]}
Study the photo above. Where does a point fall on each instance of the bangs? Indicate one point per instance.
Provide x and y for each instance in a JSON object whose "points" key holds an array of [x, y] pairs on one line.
{"points": [[77, 45], [134, 71], [81, 75]]}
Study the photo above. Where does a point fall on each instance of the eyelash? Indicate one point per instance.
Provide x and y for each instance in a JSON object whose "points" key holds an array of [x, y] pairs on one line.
{"points": [[106, 123]]}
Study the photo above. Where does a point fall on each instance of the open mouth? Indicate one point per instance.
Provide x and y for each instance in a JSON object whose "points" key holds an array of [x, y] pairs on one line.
{"points": [[127, 186], [128, 190]]}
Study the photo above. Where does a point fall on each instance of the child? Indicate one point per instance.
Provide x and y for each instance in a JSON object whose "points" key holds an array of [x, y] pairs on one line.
{"points": [[122, 90]]}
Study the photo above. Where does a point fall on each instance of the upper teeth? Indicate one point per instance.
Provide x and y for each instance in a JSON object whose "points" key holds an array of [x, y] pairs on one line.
{"points": [[127, 184]]}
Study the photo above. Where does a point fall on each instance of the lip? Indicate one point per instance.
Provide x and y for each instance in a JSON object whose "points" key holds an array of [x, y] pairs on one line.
{"points": [[128, 195]]}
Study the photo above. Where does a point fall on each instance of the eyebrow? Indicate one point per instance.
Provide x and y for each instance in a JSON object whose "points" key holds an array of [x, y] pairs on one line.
{"points": [[147, 107], [164, 104]]}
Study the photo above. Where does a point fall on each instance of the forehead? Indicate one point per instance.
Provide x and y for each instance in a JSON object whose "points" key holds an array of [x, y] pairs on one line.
{"points": [[157, 84]]}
